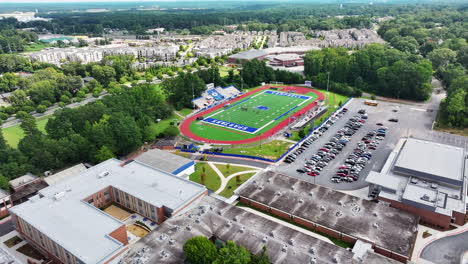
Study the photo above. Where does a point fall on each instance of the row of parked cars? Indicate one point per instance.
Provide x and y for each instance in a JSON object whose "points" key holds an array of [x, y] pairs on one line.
{"points": [[318, 133], [331, 149], [356, 161]]}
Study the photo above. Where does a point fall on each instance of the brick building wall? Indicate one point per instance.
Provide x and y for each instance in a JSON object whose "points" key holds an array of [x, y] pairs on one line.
{"points": [[428, 217], [322, 229]]}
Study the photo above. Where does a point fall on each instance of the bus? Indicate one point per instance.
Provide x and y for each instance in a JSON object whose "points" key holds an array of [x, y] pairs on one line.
{"points": [[371, 102]]}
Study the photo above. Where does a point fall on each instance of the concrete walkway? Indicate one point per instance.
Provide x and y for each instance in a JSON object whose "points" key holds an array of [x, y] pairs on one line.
{"points": [[422, 243], [300, 229], [225, 180]]}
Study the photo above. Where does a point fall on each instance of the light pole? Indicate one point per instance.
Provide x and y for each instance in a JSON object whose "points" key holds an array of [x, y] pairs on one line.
{"points": [[328, 86]]}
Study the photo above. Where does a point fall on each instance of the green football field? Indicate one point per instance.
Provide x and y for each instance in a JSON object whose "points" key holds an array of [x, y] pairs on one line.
{"points": [[258, 112]]}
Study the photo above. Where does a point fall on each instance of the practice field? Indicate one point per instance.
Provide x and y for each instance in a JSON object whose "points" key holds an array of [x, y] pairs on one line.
{"points": [[253, 116]]}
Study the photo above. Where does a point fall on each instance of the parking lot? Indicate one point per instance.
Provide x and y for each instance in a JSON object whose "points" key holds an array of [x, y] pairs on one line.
{"points": [[414, 120]]}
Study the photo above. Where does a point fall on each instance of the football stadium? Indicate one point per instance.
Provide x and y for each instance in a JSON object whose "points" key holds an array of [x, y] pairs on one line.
{"points": [[252, 116]]}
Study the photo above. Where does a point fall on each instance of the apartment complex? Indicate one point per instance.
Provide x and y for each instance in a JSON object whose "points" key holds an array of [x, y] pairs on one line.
{"points": [[65, 221], [95, 54], [424, 178]]}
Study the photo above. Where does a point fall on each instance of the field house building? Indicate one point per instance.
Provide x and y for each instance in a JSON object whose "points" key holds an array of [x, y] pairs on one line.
{"points": [[168, 162], [65, 221], [425, 178], [388, 231]]}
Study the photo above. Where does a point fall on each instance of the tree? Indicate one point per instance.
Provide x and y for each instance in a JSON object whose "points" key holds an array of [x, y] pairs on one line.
{"points": [[29, 124], [170, 131], [261, 258], [462, 55], [203, 175], [230, 253], [41, 108], [103, 74], [104, 153], [183, 89], [199, 250], [441, 57]]}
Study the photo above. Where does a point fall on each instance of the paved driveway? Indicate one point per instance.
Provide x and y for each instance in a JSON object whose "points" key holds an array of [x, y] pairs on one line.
{"points": [[415, 120], [447, 250]]}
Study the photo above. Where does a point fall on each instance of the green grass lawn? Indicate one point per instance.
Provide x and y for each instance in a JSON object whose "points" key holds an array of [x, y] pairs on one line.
{"points": [[224, 71], [270, 150], [232, 169], [158, 128], [37, 46], [212, 180], [185, 111], [233, 184], [245, 112], [14, 134]]}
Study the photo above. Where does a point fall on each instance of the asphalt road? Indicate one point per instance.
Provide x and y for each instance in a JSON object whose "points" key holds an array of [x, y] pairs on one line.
{"points": [[51, 110], [447, 250], [415, 120], [232, 160]]}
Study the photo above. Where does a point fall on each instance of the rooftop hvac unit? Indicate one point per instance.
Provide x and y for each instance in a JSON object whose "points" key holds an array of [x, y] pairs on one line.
{"points": [[425, 197], [59, 195], [103, 174]]}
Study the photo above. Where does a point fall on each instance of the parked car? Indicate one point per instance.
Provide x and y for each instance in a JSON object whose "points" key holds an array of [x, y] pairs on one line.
{"points": [[393, 120]]}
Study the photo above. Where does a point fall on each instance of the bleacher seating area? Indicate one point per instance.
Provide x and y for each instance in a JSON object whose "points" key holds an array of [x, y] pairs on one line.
{"points": [[215, 96]]}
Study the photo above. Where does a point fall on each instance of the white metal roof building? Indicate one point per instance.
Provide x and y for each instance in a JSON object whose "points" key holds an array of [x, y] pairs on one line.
{"points": [[61, 213], [425, 175], [167, 161]]}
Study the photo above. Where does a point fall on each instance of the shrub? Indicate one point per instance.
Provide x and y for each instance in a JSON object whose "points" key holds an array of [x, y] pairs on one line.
{"points": [[41, 108]]}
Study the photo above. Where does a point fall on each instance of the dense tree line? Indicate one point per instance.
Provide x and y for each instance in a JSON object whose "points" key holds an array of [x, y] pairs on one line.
{"points": [[200, 250], [375, 69], [12, 41], [113, 126], [441, 36], [62, 85], [281, 17]]}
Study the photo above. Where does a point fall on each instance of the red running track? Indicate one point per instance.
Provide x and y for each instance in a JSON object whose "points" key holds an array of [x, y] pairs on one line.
{"points": [[185, 126]]}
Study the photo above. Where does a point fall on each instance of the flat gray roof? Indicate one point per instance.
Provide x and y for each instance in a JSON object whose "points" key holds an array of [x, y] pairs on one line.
{"points": [[387, 227], [25, 179], [434, 193], [431, 160], [249, 54], [79, 226], [210, 217], [163, 160], [59, 176]]}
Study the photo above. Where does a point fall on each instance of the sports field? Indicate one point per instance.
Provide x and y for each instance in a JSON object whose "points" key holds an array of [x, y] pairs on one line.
{"points": [[251, 117]]}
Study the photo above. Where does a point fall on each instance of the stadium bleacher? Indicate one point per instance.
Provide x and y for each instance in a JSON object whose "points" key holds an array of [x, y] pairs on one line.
{"points": [[215, 96]]}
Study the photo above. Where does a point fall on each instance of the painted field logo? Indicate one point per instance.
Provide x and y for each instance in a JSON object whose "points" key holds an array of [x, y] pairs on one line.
{"points": [[261, 107]]}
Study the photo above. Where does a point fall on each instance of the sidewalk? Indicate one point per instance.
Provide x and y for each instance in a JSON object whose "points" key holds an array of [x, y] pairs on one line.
{"points": [[421, 242], [224, 179]]}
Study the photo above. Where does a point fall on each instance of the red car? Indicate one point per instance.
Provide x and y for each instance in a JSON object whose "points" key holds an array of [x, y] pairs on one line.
{"points": [[341, 174], [343, 167], [312, 174], [324, 149]]}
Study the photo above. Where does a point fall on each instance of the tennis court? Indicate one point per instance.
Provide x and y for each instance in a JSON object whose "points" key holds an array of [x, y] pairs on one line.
{"points": [[255, 115]]}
